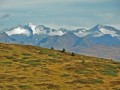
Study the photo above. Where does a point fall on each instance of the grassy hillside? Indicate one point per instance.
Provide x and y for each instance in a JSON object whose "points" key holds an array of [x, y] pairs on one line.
{"points": [[34, 68]]}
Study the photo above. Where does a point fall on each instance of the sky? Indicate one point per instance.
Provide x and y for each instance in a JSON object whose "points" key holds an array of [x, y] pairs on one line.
{"points": [[59, 13]]}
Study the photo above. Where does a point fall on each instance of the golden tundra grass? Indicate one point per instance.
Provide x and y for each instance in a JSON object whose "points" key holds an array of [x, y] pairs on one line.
{"points": [[34, 68]]}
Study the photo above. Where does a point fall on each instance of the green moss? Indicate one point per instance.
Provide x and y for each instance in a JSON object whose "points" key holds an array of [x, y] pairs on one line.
{"points": [[18, 60], [6, 63], [116, 88], [44, 51], [87, 81], [53, 60], [26, 54], [31, 62], [9, 57], [24, 87], [84, 71], [110, 72], [65, 75]]}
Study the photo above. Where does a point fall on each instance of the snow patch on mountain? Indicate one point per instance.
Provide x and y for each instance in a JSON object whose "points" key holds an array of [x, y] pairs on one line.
{"points": [[98, 34], [19, 30], [32, 26], [82, 32], [59, 33], [106, 31], [41, 30], [101, 30]]}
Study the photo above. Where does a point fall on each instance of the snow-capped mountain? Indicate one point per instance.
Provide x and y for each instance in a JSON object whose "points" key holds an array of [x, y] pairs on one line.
{"points": [[97, 31], [104, 35], [20, 30], [32, 29], [100, 34], [47, 31], [73, 40], [100, 30], [82, 32]]}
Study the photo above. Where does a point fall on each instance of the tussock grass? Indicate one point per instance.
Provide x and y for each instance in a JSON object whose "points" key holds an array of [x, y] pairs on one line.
{"points": [[25, 67]]}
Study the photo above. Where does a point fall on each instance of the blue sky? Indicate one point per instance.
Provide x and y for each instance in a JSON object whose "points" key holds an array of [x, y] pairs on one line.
{"points": [[59, 13]]}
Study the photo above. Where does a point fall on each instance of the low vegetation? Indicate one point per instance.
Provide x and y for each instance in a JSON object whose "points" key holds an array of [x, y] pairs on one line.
{"points": [[25, 67]]}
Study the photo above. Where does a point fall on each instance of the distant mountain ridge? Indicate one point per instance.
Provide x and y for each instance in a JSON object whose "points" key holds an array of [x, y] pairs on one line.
{"points": [[79, 40], [81, 32]]}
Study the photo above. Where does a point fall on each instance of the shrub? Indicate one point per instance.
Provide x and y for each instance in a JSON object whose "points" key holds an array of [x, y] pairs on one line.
{"points": [[73, 54], [52, 48], [63, 50]]}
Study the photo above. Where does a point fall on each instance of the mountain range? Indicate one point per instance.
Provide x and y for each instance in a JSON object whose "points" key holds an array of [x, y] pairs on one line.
{"points": [[101, 40]]}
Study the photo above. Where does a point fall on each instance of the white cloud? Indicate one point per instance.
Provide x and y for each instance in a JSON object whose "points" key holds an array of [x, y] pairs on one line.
{"points": [[58, 26], [65, 13]]}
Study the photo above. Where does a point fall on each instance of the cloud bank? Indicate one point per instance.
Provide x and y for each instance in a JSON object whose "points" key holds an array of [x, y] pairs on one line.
{"points": [[69, 13]]}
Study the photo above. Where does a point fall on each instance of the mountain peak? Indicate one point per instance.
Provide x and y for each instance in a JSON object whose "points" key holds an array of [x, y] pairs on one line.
{"points": [[25, 30], [99, 26], [30, 24], [69, 33], [100, 30], [41, 25]]}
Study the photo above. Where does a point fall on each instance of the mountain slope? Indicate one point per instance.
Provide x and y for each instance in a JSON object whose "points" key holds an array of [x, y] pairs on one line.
{"points": [[104, 35], [5, 38], [68, 41], [100, 30], [35, 68]]}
